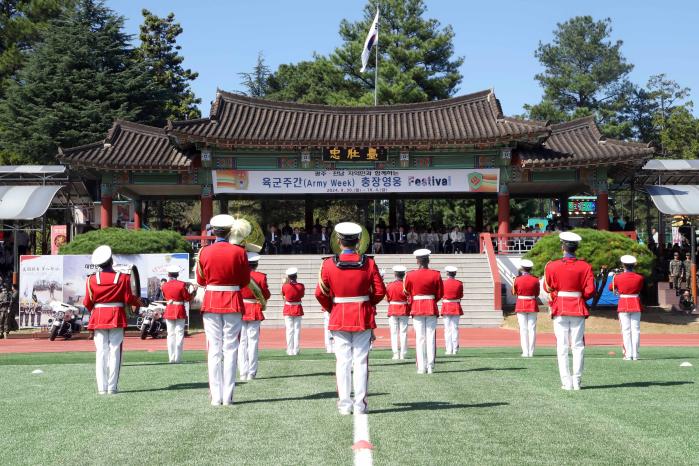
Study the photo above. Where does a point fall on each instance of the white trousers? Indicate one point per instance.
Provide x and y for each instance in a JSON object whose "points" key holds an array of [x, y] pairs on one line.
{"points": [[451, 334], [527, 332], [399, 335], [175, 339], [248, 349], [570, 333], [631, 333], [352, 354], [326, 333], [108, 362], [425, 341], [293, 331], [222, 332]]}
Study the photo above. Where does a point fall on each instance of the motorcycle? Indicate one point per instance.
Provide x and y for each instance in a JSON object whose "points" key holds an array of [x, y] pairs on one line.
{"points": [[150, 320], [65, 321]]}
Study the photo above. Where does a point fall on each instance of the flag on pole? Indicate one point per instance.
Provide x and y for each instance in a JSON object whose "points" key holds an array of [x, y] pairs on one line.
{"points": [[372, 38]]}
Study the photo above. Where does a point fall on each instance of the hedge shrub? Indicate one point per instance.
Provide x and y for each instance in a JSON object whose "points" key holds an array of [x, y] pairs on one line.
{"points": [[598, 247], [128, 242]]}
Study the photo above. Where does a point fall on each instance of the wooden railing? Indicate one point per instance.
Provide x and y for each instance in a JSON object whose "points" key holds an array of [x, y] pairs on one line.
{"points": [[487, 249]]}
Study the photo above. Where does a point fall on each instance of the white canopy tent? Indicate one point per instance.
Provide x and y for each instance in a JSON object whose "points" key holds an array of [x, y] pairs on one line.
{"points": [[675, 199], [25, 202]]}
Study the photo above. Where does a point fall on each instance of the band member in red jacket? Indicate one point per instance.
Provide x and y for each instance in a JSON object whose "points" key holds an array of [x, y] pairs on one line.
{"points": [[526, 288], [252, 318], [176, 296], [398, 313], [628, 286], [223, 269], [569, 283], [107, 293], [424, 288], [451, 309], [293, 293], [349, 288]]}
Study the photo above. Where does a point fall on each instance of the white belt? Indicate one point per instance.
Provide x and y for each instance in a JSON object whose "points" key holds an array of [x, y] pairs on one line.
{"points": [[628, 296], [451, 300], [350, 299], [250, 301], [98, 305], [176, 303], [530, 298], [419, 297], [222, 288], [397, 302], [293, 303], [569, 294]]}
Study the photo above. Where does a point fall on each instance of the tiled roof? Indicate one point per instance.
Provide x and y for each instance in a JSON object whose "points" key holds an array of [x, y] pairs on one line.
{"points": [[128, 145], [238, 120]]}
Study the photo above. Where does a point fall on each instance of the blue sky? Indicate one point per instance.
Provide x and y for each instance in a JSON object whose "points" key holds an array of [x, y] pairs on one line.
{"points": [[497, 38]]}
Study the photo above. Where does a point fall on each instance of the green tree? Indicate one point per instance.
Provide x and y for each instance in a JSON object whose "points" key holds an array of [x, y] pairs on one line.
{"points": [[256, 83], [80, 79], [680, 135], [161, 55]]}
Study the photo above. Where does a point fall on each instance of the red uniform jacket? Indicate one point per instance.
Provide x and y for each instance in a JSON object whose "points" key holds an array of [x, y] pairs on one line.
{"points": [[571, 275], [453, 289], [253, 311], [350, 283], [223, 264], [627, 283], [396, 293], [424, 282], [113, 287], [526, 285], [293, 292], [175, 290]]}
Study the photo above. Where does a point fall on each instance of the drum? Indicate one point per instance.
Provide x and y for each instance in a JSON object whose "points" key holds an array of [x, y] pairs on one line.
{"points": [[132, 271]]}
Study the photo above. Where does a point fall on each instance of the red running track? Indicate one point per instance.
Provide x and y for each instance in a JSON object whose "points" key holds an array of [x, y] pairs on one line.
{"points": [[273, 338]]}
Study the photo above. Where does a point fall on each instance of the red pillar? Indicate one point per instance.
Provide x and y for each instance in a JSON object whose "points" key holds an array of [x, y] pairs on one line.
{"points": [[137, 215], [207, 211], [106, 212], [602, 211], [503, 213]]}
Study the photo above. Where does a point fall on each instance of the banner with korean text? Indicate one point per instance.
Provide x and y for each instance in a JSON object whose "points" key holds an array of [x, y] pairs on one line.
{"points": [[353, 181]]}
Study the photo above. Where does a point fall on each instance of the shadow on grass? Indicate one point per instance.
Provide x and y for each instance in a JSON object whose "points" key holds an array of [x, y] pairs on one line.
{"points": [[177, 386], [481, 369], [136, 364], [433, 406], [293, 376], [639, 385], [313, 396]]}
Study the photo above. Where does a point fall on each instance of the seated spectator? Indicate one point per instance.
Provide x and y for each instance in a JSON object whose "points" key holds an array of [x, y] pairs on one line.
{"points": [[456, 240], [285, 245], [470, 241], [377, 246], [433, 239], [324, 241], [298, 241], [389, 241], [401, 241], [412, 241], [273, 240]]}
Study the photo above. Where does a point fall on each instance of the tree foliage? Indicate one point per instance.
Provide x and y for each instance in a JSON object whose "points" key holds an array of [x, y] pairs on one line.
{"points": [[256, 82], [128, 242]]}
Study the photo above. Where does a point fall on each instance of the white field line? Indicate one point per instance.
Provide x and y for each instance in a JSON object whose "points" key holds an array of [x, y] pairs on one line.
{"points": [[362, 456]]}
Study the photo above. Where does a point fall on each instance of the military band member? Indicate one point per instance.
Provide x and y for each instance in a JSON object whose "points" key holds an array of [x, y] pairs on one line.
{"points": [[348, 288], [176, 296], [107, 293], [569, 282], [676, 272], [223, 269], [398, 313], [424, 288], [252, 318], [293, 293], [628, 286], [526, 288], [451, 309]]}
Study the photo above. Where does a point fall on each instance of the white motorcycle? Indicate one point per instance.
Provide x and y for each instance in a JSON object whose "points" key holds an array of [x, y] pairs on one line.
{"points": [[65, 321], [150, 320]]}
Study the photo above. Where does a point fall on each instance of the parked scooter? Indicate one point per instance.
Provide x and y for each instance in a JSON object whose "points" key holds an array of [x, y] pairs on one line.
{"points": [[150, 320], [65, 321]]}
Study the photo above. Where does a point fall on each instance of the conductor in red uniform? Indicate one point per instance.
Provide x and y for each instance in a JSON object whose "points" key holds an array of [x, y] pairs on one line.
{"points": [[451, 309], [293, 293], [255, 302], [223, 269], [424, 288], [107, 294], [398, 313], [526, 288], [628, 286], [176, 297], [349, 288], [569, 282]]}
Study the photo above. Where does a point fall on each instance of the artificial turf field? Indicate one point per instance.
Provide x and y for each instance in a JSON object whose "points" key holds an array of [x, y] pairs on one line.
{"points": [[483, 406]]}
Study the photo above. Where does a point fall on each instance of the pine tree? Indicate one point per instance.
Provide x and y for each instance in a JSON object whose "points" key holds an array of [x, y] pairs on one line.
{"points": [[256, 82]]}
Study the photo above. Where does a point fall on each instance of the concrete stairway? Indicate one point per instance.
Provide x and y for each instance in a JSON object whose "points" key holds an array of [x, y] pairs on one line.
{"points": [[474, 271]]}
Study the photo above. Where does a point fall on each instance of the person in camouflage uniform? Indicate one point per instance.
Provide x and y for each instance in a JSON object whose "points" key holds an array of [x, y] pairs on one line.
{"points": [[687, 266], [676, 272], [5, 298]]}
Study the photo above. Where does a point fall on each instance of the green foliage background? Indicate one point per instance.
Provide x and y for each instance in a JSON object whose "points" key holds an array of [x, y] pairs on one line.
{"points": [[128, 242], [598, 247]]}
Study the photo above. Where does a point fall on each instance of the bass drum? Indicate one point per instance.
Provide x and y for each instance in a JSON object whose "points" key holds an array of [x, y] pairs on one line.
{"points": [[134, 277]]}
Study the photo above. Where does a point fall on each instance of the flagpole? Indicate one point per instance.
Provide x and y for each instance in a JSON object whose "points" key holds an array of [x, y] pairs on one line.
{"points": [[376, 63]]}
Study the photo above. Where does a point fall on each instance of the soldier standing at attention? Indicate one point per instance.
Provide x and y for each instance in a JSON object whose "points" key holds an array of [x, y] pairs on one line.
{"points": [[687, 271], [292, 292], [176, 295], [526, 288], [675, 270], [451, 309], [628, 286], [223, 269], [5, 310], [569, 282], [398, 313], [107, 294], [255, 302], [349, 288], [424, 288]]}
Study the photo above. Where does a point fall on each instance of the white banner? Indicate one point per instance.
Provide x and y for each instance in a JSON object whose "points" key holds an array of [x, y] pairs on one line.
{"points": [[351, 181]]}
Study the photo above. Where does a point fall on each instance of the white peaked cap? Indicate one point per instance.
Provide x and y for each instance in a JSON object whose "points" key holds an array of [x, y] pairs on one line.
{"points": [[292, 271], [422, 252], [101, 255], [450, 269], [221, 222], [172, 269], [399, 268], [628, 259], [348, 230], [526, 263], [240, 229], [569, 237], [253, 257]]}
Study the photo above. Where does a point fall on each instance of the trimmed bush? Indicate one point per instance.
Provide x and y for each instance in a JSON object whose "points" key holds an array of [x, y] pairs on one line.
{"points": [[598, 247], [128, 242]]}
